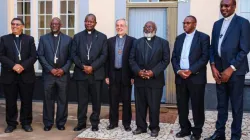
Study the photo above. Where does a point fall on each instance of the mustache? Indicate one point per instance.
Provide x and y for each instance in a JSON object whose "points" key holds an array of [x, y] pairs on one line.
{"points": [[149, 35]]}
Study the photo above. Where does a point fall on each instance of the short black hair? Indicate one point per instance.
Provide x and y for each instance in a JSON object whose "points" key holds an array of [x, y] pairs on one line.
{"points": [[234, 2], [193, 17], [19, 19], [91, 15]]}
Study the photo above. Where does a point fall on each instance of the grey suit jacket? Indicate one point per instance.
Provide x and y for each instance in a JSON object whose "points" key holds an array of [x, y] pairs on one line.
{"points": [[46, 53]]}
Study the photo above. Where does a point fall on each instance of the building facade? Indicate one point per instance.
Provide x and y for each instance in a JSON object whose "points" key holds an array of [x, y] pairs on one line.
{"points": [[168, 15]]}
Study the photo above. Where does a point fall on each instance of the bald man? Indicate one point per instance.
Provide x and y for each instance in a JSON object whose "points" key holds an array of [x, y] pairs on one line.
{"points": [[149, 58], [54, 56]]}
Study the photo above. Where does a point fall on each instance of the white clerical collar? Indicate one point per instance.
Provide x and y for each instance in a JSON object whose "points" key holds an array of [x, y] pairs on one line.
{"points": [[89, 32], [191, 34], [55, 35], [17, 35], [121, 36], [230, 17], [149, 38]]}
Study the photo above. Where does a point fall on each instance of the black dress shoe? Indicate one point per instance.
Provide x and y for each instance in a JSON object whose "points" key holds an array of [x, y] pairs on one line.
{"points": [[27, 128], [94, 128], [127, 128], [216, 137], [195, 137], [9, 129], [61, 127], [111, 126], [47, 128], [154, 133], [80, 127], [182, 134], [139, 131]]}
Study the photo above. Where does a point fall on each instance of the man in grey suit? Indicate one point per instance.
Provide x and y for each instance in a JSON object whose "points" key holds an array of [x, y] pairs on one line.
{"points": [[54, 56]]}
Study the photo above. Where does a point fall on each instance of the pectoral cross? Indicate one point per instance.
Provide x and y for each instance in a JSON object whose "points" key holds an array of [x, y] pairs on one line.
{"points": [[19, 56], [55, 59], [88, 56]]}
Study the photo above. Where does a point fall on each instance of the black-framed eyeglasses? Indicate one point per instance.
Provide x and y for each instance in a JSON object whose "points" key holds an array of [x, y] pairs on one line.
{"points": [[16, 24]]}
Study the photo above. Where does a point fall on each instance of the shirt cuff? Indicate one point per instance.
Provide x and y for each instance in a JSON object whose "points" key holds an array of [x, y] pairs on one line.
{"points": [[177, 71], [233, 67]]}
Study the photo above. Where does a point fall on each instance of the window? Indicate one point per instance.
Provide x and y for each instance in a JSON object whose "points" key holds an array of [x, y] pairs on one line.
{"points": [[150, 0], [67, 15], [44, 16], [24, 12], [37, 15], [244, 11]]}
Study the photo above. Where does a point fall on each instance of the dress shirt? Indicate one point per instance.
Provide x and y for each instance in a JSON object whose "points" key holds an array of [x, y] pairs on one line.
{"points": [[184, 62]]}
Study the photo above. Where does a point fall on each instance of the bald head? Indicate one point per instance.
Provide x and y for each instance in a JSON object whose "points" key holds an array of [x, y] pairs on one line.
{"points": [[149, 29], [55, 25]]}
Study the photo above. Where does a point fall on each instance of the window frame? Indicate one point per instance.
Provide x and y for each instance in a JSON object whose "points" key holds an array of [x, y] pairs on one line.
{"points": [[34, 20]]}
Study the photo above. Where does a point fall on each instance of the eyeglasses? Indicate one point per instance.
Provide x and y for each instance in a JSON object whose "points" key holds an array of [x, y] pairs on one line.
{"points": [[148, 27], [16, 24], [187, 23]]}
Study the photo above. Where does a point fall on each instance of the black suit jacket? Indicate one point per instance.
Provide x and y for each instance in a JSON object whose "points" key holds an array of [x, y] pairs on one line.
{"points": [[98, 54], [8, 57], [46, 52], [198, 58], [159, 61], [110, 69], [234, 48]]}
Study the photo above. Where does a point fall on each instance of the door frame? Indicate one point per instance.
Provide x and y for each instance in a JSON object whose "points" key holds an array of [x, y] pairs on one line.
{"points": [[172, 12]]}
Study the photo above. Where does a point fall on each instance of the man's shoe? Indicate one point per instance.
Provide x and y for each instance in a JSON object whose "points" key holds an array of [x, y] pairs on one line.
{"points": [[195, 137], [154, 133], [61, 127], [182, 134], [47, 128], [94, 128], [27, 128], [127, 128], [139, 131], [111, 126], [216, 137], [80, 127], [9, 129]]}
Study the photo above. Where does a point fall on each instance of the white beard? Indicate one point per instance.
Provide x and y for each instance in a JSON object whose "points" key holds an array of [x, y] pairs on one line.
{"points": [[149, 35]]}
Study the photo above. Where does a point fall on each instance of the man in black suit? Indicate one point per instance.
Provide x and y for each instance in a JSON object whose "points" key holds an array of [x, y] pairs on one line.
{"points": [[189, 60], [89, 53], [149, 58], [54, 56], [228, 58], [119, 76], [18, 55]]}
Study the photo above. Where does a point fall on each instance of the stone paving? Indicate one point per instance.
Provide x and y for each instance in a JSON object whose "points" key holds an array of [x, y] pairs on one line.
{"points": [[168, 130]]}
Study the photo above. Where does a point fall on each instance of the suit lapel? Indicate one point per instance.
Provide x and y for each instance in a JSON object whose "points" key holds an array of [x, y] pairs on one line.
{"points": [[154, 47], [51, 42], [113, 40], [125, 48], [193, 44], [182, 39], [217, 36], [233, 22]]}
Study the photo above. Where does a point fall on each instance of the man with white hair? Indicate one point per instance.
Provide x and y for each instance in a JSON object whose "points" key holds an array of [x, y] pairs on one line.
{"points": [[119, 76], [149, 58]]}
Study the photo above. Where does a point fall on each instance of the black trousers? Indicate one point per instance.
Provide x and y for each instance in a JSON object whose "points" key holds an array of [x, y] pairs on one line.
{"points": [[146, 97], [232, 90], [55, 89], [25, 91], [85, 89], [119, 92], [195, 92]]}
